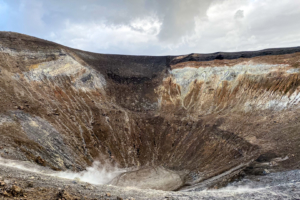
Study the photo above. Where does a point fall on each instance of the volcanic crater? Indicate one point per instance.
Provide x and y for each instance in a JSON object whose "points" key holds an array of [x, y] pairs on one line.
{"points": [[172, 122]]}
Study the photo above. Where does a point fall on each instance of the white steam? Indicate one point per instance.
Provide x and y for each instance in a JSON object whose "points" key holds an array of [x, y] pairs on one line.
{"points": [[96, 174]]}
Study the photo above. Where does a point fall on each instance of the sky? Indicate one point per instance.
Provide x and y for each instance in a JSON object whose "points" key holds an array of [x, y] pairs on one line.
{"points": [[157, 27]]}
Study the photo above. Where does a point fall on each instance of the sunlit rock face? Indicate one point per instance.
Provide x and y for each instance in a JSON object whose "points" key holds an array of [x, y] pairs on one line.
{"points": [[196, 116]]}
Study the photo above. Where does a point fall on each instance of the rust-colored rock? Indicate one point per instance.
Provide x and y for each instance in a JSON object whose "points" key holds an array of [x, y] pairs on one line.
{"points": [[6, 194], [2, 184], [16, 190], [64, 195], [40, 161]]}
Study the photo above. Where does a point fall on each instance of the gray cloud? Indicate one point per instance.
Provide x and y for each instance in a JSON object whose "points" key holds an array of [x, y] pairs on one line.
{"points": [[239, 14], [178, 17], [156, 26]]}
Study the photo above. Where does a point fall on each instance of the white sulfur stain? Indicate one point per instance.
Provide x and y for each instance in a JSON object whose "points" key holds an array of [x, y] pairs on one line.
{"points": [[186, 75], [83, 77], [232, 189], [5, 119], [159, 101], [96, 174], [295, 98], [25, 53], [276, 104], [215, 76], [295, 70]]}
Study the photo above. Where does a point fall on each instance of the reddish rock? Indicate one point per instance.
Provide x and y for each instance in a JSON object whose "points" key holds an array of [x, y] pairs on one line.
{"points": [[16, 190], [40, 161]]}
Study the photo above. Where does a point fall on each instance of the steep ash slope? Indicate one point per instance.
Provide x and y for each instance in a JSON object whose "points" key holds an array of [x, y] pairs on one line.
{"points": [[196, 116]]}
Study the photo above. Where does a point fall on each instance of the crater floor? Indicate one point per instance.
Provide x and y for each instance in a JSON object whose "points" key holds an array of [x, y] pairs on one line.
{"points": [[37, 185]]}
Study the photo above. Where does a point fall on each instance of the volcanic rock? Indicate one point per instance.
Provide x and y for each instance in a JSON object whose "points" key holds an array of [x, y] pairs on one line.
{"points": [[64, 195], [199, 116], [40, 161], [6, 194], [2, 183], [16, 190]]}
